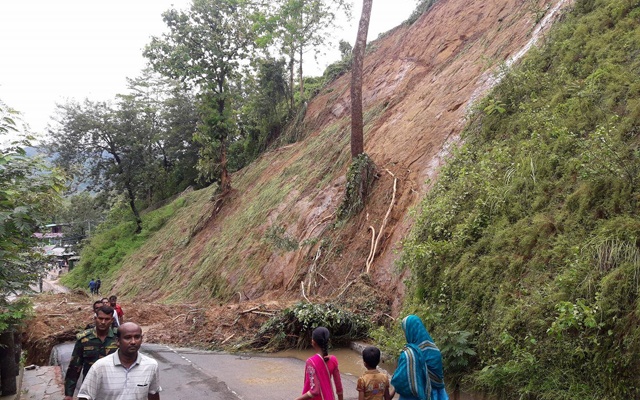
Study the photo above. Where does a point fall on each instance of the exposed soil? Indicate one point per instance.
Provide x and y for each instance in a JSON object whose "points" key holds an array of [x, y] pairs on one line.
{"points": [[419, 82], [60, 316]]}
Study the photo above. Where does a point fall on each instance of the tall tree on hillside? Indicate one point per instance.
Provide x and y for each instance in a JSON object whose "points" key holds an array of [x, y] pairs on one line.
{"points": [[265, 107], [361, 172], [302, 25], [169, 118], [357, 130], [203, 49]]}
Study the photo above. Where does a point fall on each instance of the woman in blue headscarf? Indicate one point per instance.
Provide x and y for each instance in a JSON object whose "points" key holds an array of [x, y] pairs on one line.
{"points": [[419, 374]]}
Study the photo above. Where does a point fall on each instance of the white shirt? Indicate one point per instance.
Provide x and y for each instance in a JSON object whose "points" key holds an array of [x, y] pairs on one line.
{"points": [[108, 379]]}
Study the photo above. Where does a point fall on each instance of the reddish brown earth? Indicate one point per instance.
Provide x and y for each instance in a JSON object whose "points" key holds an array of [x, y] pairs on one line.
{"points": [[420, 81]]}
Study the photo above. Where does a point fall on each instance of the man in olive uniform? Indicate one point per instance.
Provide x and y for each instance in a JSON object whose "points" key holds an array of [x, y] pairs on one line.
{"points": [[91, 345]]}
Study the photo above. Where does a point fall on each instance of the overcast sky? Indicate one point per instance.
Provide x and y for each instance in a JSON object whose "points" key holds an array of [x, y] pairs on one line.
{"points": [[54, 50]]}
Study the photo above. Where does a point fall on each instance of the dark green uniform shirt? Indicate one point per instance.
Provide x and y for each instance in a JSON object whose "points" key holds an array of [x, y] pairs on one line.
{"points": [[88, 349]]}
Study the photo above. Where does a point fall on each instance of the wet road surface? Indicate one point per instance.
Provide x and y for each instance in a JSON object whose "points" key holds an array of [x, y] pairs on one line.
{"points": [[187, 374]]}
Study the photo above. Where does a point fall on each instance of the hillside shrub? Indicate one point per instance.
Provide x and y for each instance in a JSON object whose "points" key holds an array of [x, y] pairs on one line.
{"points": [[360, 178], [292, 327]]}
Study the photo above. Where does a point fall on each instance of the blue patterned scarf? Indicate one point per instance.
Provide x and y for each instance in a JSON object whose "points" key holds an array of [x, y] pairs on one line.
{"points": [[419, 373]]}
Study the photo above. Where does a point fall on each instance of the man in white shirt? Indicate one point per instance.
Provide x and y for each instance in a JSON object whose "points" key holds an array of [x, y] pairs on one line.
{"points": [[125, 374]]}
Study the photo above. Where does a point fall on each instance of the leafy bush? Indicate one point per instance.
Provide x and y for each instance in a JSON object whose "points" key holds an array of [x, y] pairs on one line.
{"points": [[293, 326], [360, 179]]}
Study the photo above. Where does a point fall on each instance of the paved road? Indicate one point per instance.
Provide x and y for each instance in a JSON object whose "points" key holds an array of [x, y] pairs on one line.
{"points": [[187, 374]]}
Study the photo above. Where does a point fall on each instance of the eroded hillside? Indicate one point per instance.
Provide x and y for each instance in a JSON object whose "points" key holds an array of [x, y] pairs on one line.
{"points": [[275, 236]]}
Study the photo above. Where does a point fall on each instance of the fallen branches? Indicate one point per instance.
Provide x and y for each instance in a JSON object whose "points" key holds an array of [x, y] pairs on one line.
{"points": [[256, 310]]}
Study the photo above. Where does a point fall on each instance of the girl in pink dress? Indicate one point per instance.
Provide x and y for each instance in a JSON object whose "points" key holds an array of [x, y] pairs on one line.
{"points": [[319, 369]]}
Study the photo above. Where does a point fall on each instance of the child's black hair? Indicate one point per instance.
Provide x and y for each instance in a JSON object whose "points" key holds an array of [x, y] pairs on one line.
{"points": [[371, 356], [321, 336]]}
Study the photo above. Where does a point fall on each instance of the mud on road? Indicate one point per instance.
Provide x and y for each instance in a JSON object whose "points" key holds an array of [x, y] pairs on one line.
{"points": [[60, 316]]}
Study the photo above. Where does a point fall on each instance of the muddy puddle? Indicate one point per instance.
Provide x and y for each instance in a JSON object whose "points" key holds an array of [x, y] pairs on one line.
{"points": [[349, 361]]}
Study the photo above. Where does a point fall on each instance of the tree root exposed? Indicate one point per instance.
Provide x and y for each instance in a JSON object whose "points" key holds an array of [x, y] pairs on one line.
{"points": [[374, 244]]}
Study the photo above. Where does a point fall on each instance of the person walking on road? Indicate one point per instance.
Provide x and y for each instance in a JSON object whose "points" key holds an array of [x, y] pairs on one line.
{"points": [[97, 305], [320, 368], [91, 345], [113, 303], [373, 384], [125, 374], [419, 374], [92, 286], [98, 284]]}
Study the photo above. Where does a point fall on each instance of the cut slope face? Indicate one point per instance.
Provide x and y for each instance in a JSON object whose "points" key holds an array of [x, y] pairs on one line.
{"points": [[275, 234]]}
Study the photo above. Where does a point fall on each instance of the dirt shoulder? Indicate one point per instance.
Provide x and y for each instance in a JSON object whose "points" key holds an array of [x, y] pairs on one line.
{"points": [[58, 317]]}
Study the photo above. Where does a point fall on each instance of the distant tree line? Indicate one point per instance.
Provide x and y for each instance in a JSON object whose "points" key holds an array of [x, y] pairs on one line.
{"points": [[219, 91]]}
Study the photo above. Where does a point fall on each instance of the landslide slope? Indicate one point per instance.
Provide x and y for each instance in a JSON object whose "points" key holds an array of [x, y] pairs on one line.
{"points": [[276, 233]]}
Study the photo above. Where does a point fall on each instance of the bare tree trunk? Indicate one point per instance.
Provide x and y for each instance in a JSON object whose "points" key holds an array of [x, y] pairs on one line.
{"points": [[132, 204], [130, 192], [357, 129], [291, 75], [225, 179], [300, 75]]}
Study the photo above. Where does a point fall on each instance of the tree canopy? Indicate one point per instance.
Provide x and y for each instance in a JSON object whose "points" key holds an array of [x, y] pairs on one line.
{"points": [[28, 191], [139, 147], [203, 49]]}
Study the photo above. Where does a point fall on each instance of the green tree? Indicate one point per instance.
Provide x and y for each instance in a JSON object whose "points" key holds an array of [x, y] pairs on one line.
{"points": [[303, 25], [168, 116], [265, 109], [357, 134], [82, 211], [203, 49], [102, 143], [140, 146], [29, 190]]}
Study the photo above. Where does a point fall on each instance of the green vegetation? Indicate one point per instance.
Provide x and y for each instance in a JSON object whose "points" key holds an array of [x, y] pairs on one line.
{"points": [[292, 327], [277, 236], [29, 190], [422, 7], [359, 182], [529, 239], [115, 239]]}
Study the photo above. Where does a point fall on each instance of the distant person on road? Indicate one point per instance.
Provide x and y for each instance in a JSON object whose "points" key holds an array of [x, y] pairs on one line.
{"points": [[112, 302], [98, 284], [91, 345], [373, 384], [320, 368], [419, 374], [125, 374], [92, 286]]}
